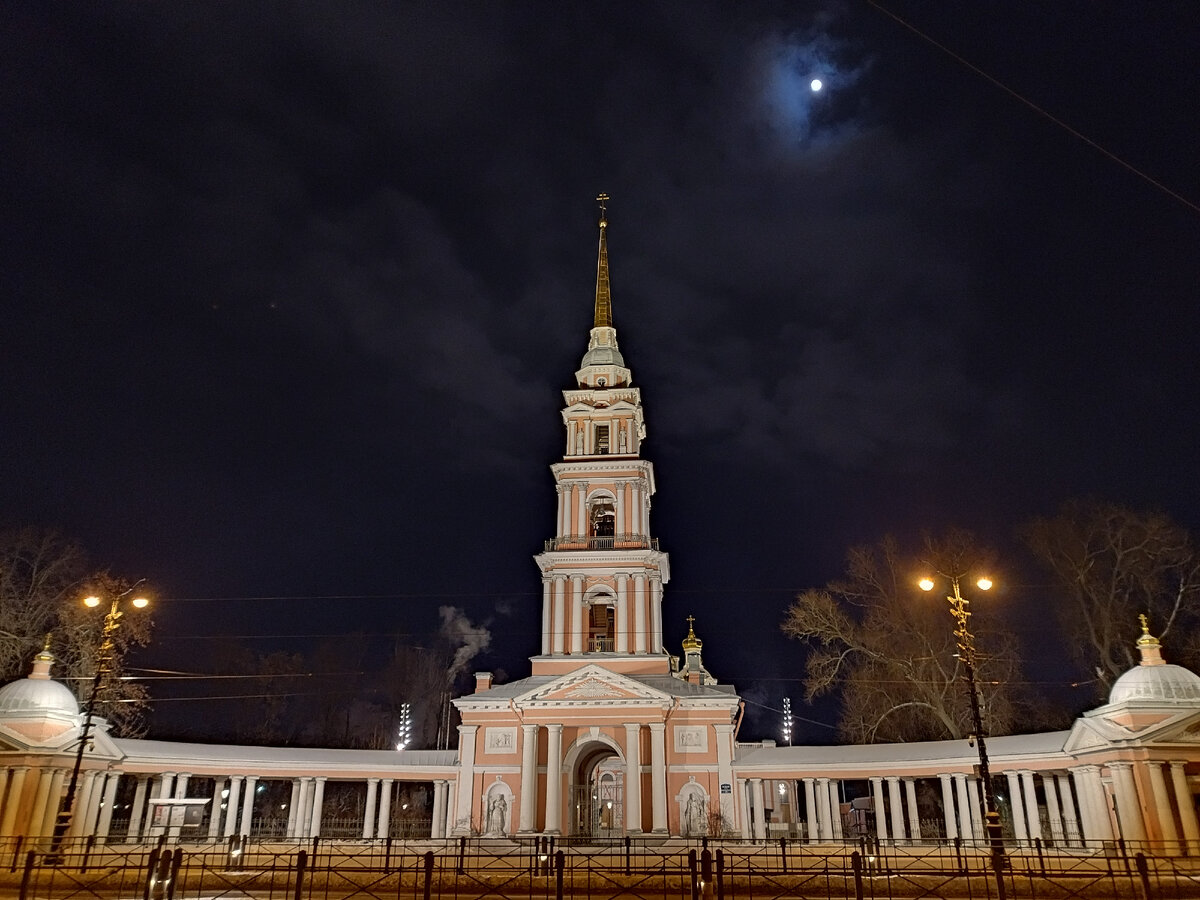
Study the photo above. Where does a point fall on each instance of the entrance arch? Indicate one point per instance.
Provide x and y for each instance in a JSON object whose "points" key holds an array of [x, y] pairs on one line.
{"points": [[596, 792]]}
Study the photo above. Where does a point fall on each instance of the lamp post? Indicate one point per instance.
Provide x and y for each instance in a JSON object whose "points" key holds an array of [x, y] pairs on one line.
{"points": [[966, 655], [112, 621]]}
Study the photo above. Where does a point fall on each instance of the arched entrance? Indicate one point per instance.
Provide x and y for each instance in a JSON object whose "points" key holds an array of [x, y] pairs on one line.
{"points": [[597, 790]]}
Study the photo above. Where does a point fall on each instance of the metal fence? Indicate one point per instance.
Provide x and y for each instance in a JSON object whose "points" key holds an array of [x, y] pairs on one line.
{"points": [[477, 868]]}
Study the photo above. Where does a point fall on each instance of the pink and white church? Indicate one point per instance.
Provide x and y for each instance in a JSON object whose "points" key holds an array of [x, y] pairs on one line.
{"points": [[612, 734]]}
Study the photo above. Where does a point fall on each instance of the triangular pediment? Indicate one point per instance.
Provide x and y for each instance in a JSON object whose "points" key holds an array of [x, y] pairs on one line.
{"points": [[40, 736], [1097, 731], [592, 686], [1185, 730]]}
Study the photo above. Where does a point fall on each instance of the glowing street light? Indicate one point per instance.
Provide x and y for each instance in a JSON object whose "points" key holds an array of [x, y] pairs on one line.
{"points": [[966, 655], [112, 621], [404, 729]]}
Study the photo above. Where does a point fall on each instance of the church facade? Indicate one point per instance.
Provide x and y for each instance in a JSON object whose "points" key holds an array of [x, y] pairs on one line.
{"points": [[612, 735]]}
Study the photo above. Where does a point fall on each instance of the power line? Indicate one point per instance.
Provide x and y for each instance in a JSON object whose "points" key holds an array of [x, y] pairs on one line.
{"points": [[1046, 114]]}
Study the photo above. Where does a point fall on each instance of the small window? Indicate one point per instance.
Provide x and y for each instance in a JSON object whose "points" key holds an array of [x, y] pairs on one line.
{"points": [[602, 439]]}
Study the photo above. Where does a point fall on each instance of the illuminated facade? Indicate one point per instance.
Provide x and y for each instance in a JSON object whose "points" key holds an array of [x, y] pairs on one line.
{"points": [[611, 735]]}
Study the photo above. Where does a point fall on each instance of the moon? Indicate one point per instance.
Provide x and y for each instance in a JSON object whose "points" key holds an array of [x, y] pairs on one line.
{"points": [[816, 85]]}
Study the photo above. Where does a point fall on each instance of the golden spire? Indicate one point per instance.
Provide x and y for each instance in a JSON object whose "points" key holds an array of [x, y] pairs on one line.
{"points": [[1148, 645], [691, 642], [603, 293]]}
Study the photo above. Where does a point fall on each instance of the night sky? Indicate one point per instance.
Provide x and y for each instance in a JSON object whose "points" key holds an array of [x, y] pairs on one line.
{"points": [[290, 292]]}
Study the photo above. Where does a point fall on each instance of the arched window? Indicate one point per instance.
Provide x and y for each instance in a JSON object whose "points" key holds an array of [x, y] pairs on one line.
{"points": [[602, 522], [601, 629]]}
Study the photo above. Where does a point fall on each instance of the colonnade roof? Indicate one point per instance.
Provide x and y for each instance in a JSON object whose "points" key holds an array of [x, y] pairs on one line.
{"points": [[960, 752], [251, 760]]}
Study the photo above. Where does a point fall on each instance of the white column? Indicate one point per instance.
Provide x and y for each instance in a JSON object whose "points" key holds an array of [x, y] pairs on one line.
{"points": [[965, 826], [451, 805], [639, 613], [1129, 812], [547, 602], [914, 814], [560, 617], [45, 803], [656, 592], [1162, 808], [527, 820], [658, 777], [559, 526], [134, 832], [756, 803], [621, 525], [4, 776], [897, 814], [317, 806], [835, 810], [1052, 814], [633, 777], [743, 789], [16, 786], [554, 778], [384, 827], [976, 813], [368, 829], [179, 792], [951, 820], [40, 800], [581, 508], [91, 822], [1093, 805], [1187, 808], [1016, 805], [465, 799], [1032, 815], [107, 799], [51, 811], [810, 810], [622, 613], [78, 826], [723, 735], [824, 826], [577, 628], [295, 811], [881, 829], [231, 804], [437, 828], [248, 805], [214, 810], [1071, 832]]}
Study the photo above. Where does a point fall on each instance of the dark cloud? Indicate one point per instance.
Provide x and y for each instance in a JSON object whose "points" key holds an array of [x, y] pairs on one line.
{"points": [[305, 280]]}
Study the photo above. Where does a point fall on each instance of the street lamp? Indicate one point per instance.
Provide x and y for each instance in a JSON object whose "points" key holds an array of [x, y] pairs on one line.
{"points": [[112, 621], [966, 655]]}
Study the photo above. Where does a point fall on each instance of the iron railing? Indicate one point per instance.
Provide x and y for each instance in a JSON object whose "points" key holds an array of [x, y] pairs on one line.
{"points": [[474, 868], [609, 542]]}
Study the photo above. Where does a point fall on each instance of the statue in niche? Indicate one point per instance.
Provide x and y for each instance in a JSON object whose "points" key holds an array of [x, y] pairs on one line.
{"points": [[693, 816], [497, 812], [624, 439]]}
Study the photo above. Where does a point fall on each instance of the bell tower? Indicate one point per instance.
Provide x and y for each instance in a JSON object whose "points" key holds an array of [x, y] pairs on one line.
{"points": [[602, 572]]}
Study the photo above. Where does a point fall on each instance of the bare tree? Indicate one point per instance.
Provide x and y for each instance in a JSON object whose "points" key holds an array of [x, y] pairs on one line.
{"points": [[1113, 563], [40, 575], [889, 650], [43, 580]]}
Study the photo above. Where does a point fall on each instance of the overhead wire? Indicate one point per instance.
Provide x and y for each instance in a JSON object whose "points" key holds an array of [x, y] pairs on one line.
{"points": [[1046, 114]]}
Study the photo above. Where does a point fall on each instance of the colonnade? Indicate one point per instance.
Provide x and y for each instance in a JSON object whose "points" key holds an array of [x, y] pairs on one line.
{"points": [[95, 796], [637, 604], [630, 501], [231, 806], [1083, 806]]}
